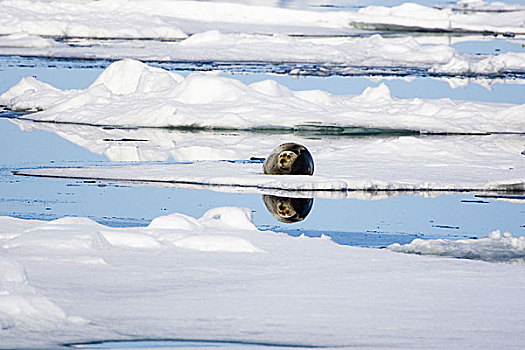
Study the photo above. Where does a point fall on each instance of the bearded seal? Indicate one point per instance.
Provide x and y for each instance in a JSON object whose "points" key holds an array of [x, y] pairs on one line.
{"points": [[289, 159], [288, 210]]}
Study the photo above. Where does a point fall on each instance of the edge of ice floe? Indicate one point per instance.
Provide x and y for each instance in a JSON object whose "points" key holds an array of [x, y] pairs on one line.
{"points": [[280, 185], [133, 94], [496, 248]]}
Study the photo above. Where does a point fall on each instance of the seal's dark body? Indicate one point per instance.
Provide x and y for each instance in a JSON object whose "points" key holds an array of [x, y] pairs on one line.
{"points": [[289, 159]]}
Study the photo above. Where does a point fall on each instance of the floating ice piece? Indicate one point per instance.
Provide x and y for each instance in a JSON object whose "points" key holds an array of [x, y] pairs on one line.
{"points": [[131, 94], [485, 6], [426, 167], [497, 247], [317, 55], [414, 16], [26, 40], [484, 65]]}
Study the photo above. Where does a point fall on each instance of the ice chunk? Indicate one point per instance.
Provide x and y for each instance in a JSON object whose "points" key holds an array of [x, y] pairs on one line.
{"points": [[131, 76], [129, 93], [175, 221], [497, 247], [203, 88], [240, 218]]}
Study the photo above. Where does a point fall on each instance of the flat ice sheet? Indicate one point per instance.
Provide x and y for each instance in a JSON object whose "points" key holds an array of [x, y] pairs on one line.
{"points": [[486, 163], [219, 278], [343, 53]]}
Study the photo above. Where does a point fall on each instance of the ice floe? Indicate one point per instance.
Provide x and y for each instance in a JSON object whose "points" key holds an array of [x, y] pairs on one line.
{"points": [[131, 94], [486, 162], [415, 16], [227, 32], [93, 20], [161, 19], [453, 162], [337, 55], [219, 278], [497, 247], [370, 167]]}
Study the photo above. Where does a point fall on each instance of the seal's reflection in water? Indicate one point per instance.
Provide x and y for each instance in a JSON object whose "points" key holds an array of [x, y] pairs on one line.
{"points": [[288, 210]]}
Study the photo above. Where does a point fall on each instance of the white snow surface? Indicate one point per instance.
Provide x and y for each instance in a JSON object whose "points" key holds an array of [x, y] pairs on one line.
{"points": [[220, 278], [132, 94], [106, 19], [246, 33], [162, 18], [373, 164], [328, 52]]}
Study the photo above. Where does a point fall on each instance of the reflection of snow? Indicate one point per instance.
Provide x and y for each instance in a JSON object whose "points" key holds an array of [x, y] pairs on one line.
{"points": [[218, 277], [130, 93]]}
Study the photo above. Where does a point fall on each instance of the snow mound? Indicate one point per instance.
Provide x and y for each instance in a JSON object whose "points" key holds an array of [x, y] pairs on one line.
{"points": [[130, 76], [21, 304], [497, 247], [202, 89], [215, 231], [223, 277], [26, 40], [130, 93], [83, 20], [240, 218], [175, 221]]}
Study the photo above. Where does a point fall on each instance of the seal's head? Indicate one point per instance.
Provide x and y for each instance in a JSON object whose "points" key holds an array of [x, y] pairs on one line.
{"points": [[289, 159], [285, 160]]}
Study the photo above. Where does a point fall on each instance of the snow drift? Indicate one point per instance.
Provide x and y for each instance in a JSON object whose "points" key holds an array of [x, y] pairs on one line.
{"points": [[219, 278], [131, 94]]}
